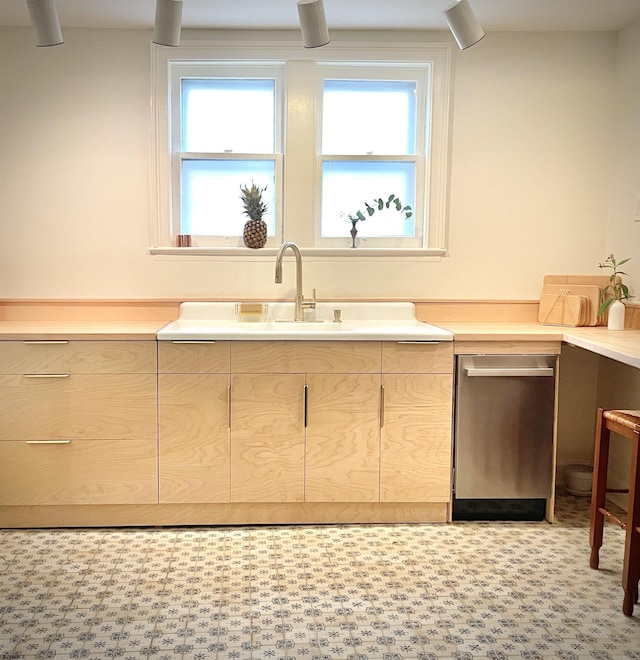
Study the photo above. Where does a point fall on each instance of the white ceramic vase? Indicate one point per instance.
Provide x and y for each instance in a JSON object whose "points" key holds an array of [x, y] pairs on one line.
{"points": [[616, 315]]}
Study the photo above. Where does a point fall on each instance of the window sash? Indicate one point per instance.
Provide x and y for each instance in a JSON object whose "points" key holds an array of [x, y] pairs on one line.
{"points": [[376, 73], [226, 110], [359, 116], [365, 240], [267, 71], [230, 205]]}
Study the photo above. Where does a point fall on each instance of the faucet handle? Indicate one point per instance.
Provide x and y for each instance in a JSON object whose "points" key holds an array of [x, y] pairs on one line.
{"points": [[310, 304]]}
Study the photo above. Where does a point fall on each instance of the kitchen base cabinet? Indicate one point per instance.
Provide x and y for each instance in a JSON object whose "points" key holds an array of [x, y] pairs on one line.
{"points": [[415, 445], [193, 422], [244, 432], [77, 423], [305, 421]]}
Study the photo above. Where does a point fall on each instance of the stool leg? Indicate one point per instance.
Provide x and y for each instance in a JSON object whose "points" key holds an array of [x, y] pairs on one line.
{"points": [[599, 488], [631, 567]]}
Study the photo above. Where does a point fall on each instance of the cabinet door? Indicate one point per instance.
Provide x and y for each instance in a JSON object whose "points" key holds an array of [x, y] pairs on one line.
{"points": [[267, 438], [415, 454], [193, 416], [343, 438]]}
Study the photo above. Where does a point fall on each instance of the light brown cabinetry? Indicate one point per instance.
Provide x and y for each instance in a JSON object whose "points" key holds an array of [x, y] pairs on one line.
{"points": [[343, 438], [341, 421], [305, 421], [223, 432], [415, 446], [193, 422], [267, 437], [77, 422]]}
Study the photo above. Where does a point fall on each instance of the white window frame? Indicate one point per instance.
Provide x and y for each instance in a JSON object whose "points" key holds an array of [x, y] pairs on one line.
{"points": [[298, 195], [421, 74], [179, 71]]}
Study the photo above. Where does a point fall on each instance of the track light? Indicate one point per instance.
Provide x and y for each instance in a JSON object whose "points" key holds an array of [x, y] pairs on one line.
{"points": [[313, 23], [44, 19], [463, 24], [168, 22]]}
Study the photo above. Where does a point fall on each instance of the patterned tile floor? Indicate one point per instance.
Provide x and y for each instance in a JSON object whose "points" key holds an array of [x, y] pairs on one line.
{"points": [[465, 590]]}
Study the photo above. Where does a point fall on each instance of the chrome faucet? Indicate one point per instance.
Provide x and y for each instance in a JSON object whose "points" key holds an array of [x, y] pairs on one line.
{"points": [[301, 303]]}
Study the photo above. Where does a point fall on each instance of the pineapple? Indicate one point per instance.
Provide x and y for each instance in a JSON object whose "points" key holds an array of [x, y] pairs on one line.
{"points": [[255, 229]]}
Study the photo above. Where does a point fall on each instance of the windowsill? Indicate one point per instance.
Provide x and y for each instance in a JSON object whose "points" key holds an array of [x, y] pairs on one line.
{"points": [[342, 253]]}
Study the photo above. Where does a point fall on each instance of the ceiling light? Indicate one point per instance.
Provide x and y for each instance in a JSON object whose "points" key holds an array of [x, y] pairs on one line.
{"points": [[44, 19], [313, 23], [168, 22], [463, 24]]}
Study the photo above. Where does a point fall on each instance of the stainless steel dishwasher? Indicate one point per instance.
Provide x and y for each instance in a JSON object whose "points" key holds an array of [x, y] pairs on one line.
{"points": [[503, 436]]}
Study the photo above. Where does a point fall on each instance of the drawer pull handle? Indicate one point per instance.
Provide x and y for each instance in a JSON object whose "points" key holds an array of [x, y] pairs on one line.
{"points": [[45, 341], [48, 442], [381, 406], [418, 341], [46, 375], [513, 371], [193, 341]]}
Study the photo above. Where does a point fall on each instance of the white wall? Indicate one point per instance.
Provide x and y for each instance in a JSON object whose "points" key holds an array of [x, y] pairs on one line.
{"points": [[531, 163], [623, 234]]}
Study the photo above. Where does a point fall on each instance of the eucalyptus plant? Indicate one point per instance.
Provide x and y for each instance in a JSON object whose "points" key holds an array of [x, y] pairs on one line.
{"points": [[378, 205]]}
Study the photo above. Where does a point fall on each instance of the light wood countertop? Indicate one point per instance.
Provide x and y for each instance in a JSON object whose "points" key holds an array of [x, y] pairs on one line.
{"points": [[623, 345], [502, 331], [81, 330], [620, 345]]}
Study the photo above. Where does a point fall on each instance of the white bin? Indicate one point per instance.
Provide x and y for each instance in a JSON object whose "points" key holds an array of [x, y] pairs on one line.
{"points": [[579, 479]]}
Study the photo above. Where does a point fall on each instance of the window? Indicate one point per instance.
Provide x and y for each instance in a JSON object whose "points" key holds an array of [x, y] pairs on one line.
{"points": [[323, 137], [373, 146], [224, 133]]}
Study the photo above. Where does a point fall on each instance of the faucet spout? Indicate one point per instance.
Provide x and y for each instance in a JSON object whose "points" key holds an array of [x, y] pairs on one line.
{"points": [[301, 304]]}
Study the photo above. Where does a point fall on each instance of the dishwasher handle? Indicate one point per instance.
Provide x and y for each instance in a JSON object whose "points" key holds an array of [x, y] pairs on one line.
{"points": [[506, 371]]}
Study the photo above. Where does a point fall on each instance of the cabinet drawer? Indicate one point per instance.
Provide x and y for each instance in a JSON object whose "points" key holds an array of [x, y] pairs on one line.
{"points": [[187, 358], [399, 357], [305, 357], [78, 472], [77, 357], [106, 406]]}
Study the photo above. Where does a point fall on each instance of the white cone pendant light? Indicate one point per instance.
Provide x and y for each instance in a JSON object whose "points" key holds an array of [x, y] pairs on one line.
{"points": [[44, 19], [313, 23], [168, 22], [463, 24]]}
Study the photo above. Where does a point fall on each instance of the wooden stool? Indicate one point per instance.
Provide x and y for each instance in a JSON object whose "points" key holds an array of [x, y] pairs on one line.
{"points": [[627, 424]]}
